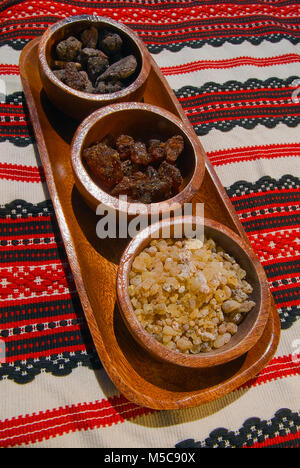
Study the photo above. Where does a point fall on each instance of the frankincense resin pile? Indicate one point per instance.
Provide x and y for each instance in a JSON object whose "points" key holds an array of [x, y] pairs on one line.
{"points": [[190, 295]]}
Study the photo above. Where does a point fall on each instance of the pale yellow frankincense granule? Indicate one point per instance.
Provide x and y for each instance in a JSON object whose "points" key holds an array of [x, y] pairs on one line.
{"points": [[190, 295]]}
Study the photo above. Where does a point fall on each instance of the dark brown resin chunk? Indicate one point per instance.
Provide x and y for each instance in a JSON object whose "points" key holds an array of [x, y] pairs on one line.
{"points": [[87, 53], [68, 49], [74, 78], [89, 37], [124, 145], [132, 170], [60, 65], [140, 155], [96, 65], [120, 70], [104, 163], [111, 44], [99, 54], [173, 148], [170, 173], [157, 150]]}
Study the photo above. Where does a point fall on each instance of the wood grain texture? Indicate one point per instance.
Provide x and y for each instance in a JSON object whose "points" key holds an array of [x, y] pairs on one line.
{"points": [[79, 104], [249, 331], [94, 262]]}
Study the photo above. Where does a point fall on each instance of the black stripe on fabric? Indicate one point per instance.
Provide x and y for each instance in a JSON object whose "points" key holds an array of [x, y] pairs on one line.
{"points": [[49, 342], [216, 97], [32, 255], [295, 443], [34, 227], [219, 41], [25, 371], [288, 315], [246, 112], [254, 87], [18, 43], [49, 310], [266, 199], [22, 209], [286, 295], [254, 430], [264, 184], [271, 223], [247, 123], [283, 268]]}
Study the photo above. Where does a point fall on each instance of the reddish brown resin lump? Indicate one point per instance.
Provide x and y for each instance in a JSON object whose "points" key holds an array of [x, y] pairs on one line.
{"points": [[173, 148], [139, 170], [104, 163], [124, 145]]}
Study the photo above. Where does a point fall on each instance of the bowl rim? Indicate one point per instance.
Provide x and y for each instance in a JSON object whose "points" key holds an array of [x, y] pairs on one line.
{"points": [[91, 189], [147, 341], [95, 98]]}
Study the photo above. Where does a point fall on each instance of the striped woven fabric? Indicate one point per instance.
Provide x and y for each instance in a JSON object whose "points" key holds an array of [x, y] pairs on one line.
{"points": [[234, 67]]}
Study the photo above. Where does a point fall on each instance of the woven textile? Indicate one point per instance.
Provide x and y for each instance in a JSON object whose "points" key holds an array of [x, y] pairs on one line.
{"points": [[235, 68]]}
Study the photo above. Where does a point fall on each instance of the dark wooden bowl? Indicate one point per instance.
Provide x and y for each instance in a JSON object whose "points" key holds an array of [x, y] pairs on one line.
{"points": [[139, 121], [249, 331], [79, 104]]}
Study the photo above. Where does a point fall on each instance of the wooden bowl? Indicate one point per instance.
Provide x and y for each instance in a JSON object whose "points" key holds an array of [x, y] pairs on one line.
{"points": [[139, 121], [79, 104], [251, 328]]}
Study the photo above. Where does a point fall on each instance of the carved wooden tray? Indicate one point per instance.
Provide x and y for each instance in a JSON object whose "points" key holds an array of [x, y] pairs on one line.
{"points": [[94, 262]]}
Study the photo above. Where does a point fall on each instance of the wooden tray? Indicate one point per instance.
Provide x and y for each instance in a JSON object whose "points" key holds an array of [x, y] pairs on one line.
{"points": [[94, 262]]}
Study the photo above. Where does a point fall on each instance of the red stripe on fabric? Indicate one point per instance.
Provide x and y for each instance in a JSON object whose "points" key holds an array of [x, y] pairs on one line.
{"points": [[241, 33], [278, 367], [34, 235], [275, 261], [41, 334], [133, 12], [267, 192], [36, 354], [266, 207], [269, 216], [283, 260], [30, 264], [283, 275], [6, 69], [70, 419], [231, 63], [285, 287], [21, 173], [232, 117], [20, 123], [238, 117], [47, 319], [248, 103], [51, 423], [26, 220], [235, 92], [38, 299], [277, 440], [228, 156], [16, 248], [12, 106]]}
